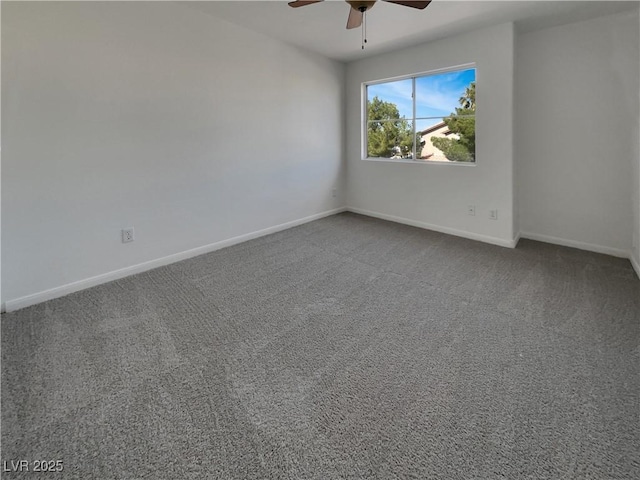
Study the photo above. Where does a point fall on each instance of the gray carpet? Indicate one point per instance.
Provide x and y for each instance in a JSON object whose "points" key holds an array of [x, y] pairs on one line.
{"points": [[346, 348]]}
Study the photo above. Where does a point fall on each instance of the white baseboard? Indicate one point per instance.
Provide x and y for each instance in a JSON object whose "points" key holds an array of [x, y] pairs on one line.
{"points": [[28, 300], [516, 240], [437, 228], [22, 302], [635, 263], [615, 252]]}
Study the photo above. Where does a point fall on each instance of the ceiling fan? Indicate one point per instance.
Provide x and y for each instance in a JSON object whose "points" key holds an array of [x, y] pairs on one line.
{"points": [[358, 8]]}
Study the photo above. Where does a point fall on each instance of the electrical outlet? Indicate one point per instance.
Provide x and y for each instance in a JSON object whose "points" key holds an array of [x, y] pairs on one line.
{"points": [[128, 235], [471, 210], [334, 192], [493, 214]]}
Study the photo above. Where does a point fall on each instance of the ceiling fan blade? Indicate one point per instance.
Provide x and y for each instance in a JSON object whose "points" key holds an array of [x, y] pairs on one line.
{"points": [[302, 3], [355, 18], [409, 3]]}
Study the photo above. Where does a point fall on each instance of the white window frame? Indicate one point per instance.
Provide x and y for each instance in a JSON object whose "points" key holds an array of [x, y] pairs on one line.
{"points": [[364, 120]]}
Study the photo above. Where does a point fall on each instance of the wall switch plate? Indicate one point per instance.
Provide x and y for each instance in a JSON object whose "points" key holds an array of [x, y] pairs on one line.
{"points": [[493, 214], [471, 210], [334, 192], [128, 235]]}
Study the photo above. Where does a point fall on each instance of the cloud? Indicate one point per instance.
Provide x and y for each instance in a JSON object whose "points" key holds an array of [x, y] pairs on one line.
{"points": [[398, 92], [436, 95]]}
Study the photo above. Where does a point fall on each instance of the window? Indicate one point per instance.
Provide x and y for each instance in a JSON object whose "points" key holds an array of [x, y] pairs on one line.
{"points": [[423, 118]]}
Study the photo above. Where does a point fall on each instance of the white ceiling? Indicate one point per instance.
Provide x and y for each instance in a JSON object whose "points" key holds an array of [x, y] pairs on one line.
{"points": [[321, 27]]}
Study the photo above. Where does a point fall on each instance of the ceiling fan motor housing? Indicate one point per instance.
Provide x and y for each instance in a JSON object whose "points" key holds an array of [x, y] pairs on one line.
{"points": [[361, 6]]}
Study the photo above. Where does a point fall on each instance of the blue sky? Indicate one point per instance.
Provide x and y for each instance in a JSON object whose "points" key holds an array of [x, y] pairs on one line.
{"points": [[436, 95]]}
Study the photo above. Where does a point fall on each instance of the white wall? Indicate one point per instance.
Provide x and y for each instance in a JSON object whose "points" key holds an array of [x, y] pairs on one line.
{"points": [[153, 115], [0, 178], [436, 195], [577, 132], [635, 258]]}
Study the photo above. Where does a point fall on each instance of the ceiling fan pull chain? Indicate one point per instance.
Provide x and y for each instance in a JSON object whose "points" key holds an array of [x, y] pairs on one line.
{"points": [[364, 28]]}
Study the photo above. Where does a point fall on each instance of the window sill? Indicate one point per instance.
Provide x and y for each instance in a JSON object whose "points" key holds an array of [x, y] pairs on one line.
{"points": [[420, 162]]}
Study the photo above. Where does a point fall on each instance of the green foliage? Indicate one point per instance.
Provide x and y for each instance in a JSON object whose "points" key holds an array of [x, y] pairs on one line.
{"points": [[464, 125], [388, 134], [453, 149]]}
